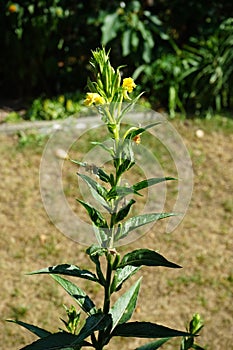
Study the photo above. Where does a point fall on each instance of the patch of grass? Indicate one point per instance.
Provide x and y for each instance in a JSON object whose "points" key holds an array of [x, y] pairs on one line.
{"points": [[228, 205], [203, 239], [18, 312], [31, 139]]}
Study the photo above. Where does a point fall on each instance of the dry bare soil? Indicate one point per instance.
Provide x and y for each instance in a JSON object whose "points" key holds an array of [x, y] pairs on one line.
{"points": [[202, 244]]}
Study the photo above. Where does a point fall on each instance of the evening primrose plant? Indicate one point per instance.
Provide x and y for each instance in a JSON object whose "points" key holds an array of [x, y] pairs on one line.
{"points": [[111, 95]]}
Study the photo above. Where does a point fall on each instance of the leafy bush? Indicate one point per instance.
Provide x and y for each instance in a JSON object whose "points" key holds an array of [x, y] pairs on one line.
{"points": [[55, 108], [210, 75], [197, 78], [47, 45], [135, 29]]}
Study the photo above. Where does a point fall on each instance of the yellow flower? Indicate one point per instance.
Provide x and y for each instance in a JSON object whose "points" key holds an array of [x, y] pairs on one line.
{"points": [[93, 97], [128, 84], [12, 8]]}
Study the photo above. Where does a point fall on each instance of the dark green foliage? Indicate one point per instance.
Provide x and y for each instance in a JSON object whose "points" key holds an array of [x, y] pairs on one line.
{"points": [[146, 330], [41, 333], [68, 270], [145, 257], [45, 49]]}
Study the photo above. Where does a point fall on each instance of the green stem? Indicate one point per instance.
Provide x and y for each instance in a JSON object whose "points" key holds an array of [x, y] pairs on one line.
{"points": [[107, 289], [99, 345]]}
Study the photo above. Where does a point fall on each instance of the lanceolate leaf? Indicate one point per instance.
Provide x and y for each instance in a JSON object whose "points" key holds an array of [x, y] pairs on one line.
{"points": [[134, 133], [41, 333], [140, 220], [146, 330], [106, 148], [78, 294], [120, 192], [56, 341], [121, 275], [125, 305], [95, 252], [150, 182], [94, 214], [78, 163], [146, 257], [68, 270], [154, 345], [102, 235], [95, 185], [123, 212], [104, 176], [93, 323]]}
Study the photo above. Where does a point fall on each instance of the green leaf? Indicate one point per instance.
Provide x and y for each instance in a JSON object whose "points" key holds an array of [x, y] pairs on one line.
{"points": [[95, 252], [93, 323], [126, 42], [95, 185], [150, 182], [102, 145], [140, 220], [78, 163], [128, 107], [134, 133], [146, 330], [78, 294], [102, 236], [34, 329], [123, 212], [146, 257], [110, 28], [120, 192], [103, 176], [124, 307], [154, 345], [95, 215], [125, 165], [121, 275], [68, 270], [56, 341]]}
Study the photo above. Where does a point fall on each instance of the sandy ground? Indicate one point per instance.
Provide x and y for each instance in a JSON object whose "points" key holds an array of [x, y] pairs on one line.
{"points": [[202, 244]]}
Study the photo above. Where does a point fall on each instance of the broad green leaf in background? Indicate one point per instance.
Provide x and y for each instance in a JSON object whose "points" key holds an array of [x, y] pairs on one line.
{"points": [[126, 42], [68, 270], [146, 257], [146, 330], [124, 307], [78, 294]]}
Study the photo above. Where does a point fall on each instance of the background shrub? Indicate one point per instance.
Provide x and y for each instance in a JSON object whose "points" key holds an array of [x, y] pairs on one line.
{"points": [[46, 47]]}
